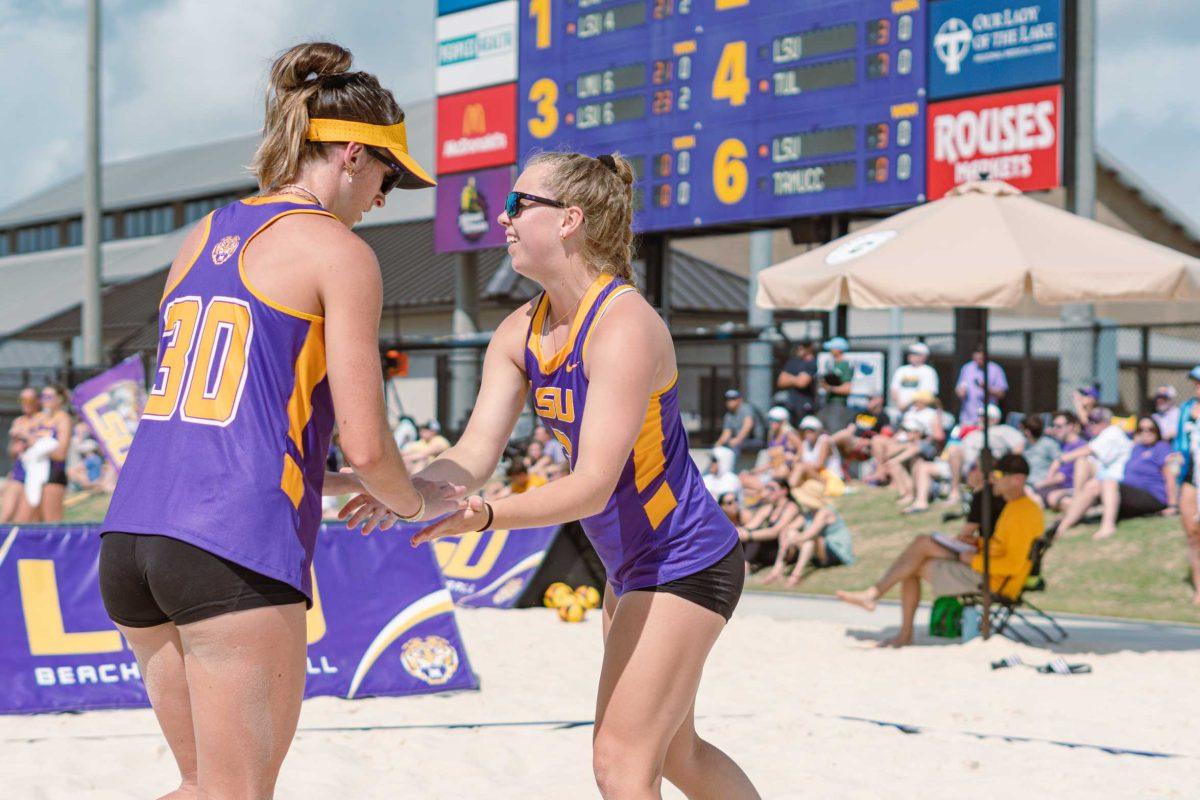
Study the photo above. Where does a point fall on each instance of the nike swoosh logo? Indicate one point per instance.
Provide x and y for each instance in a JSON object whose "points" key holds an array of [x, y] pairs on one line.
{"points": [[572, 366]]}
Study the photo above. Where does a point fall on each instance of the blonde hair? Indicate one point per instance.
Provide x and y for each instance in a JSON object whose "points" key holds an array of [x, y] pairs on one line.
{"points": [[313, 80], [606, 196]]}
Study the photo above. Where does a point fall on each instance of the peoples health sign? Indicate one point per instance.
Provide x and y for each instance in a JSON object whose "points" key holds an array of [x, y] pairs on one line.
{"points": [[978, 46]]}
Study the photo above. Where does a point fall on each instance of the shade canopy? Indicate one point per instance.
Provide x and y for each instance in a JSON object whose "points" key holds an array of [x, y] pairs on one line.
{"points": [[984, 245]]}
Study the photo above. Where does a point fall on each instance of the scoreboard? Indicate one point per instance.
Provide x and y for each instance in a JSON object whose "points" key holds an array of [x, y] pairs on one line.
{"points": [[732, 111]]}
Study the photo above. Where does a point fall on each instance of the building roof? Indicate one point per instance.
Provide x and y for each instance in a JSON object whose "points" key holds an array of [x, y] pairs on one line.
{"points": [[1130, 179], [414, 277], [198, 171]]}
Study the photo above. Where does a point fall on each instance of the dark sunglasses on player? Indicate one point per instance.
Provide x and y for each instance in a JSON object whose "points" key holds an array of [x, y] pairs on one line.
{"points": [[513, 207], [392, 176]]}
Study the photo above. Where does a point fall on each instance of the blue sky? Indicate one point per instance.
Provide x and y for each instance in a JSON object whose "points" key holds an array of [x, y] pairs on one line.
{"points": [[183, 72]]}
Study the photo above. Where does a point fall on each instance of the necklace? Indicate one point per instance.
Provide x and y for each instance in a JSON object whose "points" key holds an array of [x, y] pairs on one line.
{"points": [[312, 196], [563, 318]]}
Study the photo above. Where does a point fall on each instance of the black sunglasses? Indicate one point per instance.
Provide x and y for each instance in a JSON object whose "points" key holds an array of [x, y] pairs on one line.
{"points": [[513, 207], [392, 176]]}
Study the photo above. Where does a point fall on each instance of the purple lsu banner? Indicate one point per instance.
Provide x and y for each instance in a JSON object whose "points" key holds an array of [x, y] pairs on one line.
{"points": [[112, 403], [490, 569], [382, 623]]}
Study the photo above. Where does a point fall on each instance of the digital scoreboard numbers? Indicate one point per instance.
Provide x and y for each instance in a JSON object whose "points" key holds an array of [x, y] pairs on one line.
{"points": [[733, 110]]}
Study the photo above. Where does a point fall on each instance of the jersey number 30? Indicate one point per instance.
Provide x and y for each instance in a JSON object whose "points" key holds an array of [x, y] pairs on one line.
{"points": [[203, 361]]}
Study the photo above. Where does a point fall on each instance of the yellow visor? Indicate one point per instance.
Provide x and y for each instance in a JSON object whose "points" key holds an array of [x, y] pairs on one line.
{"points": [[391, 138]]}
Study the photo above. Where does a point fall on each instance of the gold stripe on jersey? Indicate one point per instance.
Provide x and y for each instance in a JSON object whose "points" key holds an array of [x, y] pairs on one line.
{"points": [[539, 319]]}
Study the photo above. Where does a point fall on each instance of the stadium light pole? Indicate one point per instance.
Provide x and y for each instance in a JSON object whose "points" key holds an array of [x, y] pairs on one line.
{"points": [[1080, 367], [759, 385], [92, 349]]}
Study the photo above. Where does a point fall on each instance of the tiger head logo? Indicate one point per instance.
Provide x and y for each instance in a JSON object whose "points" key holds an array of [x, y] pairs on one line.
{"points": [[431, 659], [225, 248]]}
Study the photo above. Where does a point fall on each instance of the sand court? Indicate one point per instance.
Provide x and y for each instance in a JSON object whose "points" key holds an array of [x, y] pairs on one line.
{"points": [[810, 708]]}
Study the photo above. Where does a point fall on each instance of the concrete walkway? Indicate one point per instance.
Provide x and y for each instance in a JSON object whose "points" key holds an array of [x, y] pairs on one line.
{"points": [[1086, 634]]}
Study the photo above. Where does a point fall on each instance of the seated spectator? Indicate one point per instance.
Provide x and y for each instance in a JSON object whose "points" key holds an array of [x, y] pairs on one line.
{"points": [[742, 427], [960, 455], [819, 457], [1187, 449], [537, 462], [429, 445], [913, 377], [719, 477], [553, 449], [1166, 412], [952, 573], [760, 535], [1106, 452], [1144, 487], [1055, 490], [731, 506], [518, 480], [799, 379], [923, 434], [783, 441], [1041, 450], [90, 471], [866, 435], [1085, 400], [819, 537]]}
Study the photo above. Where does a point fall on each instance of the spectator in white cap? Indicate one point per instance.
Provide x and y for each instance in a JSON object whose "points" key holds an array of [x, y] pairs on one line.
{"points": [[819, 456], [1166, 412], [915, 376], [783, 442]]}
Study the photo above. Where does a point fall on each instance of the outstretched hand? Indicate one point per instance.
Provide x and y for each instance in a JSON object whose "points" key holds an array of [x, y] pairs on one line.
{"points": [[364, 509], [471, 514]]}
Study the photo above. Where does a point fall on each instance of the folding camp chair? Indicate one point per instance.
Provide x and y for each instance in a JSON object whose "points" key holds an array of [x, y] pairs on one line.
{"points": [[1005, 608]]}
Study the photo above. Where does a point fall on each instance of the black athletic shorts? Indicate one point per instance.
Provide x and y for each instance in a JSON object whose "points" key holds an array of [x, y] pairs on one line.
{"points": [[58, 473], [1137, 502], [148, 580], [717, 588]]}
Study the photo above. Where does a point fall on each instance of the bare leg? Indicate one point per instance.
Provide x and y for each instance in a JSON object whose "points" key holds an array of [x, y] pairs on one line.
{"points": [[907, 565], [52, 502], [1110, 501], [954, 456], [654, 654], [923, 481], [10, 499], [159, 655], [806, 553], [1191, 528], [1080, 503], [1084, 471], [245, 672], [910, 598]]}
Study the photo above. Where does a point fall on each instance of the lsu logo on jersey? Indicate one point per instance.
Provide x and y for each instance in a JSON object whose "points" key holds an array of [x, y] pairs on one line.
{"points": [[431, 659], [552, 402], [225, 248]]}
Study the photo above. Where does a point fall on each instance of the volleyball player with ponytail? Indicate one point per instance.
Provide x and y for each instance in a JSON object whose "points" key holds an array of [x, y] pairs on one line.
{"points": [[269, 326], [601, 365]]}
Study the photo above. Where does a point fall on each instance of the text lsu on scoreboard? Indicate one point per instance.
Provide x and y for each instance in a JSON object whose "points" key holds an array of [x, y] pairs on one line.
{"points": [[732, 110]]}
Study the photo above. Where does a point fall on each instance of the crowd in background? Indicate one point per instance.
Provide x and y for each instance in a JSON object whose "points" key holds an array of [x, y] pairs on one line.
{"points": [[779, 474]]}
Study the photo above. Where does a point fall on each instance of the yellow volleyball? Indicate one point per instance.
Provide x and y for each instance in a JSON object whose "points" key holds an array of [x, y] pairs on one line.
{"points": [[555, 594], [572, 611], [588, 595]]}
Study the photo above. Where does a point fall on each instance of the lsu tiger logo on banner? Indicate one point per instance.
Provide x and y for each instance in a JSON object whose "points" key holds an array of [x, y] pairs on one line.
{"points": [[60, 652], [111, 403]]}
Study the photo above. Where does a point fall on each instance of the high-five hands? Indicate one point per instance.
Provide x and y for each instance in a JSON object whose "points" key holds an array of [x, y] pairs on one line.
{"points": [[363, 509], [473, 513]]}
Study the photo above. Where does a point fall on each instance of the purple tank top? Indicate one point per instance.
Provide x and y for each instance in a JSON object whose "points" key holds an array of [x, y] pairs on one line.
{"points": [[660, 524], [230, 452]]}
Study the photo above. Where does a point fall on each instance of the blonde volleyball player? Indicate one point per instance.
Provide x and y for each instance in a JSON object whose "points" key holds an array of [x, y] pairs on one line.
{"points": [[601, 365], [269, 326]]}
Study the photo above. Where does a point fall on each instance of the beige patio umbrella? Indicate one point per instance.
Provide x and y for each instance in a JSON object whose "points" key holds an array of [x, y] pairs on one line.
{"points": [[984, 245]]}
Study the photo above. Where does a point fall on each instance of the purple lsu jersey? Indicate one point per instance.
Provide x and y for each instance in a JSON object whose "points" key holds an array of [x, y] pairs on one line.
{"points": [[660, 524], [230, 452]]}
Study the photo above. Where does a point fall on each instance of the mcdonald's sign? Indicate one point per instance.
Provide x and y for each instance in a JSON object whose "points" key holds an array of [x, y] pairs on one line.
{"points": [[477, 129]]}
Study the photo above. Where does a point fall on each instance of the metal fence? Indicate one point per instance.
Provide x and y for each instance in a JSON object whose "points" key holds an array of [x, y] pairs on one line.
{"points": [[1127, 362]]}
